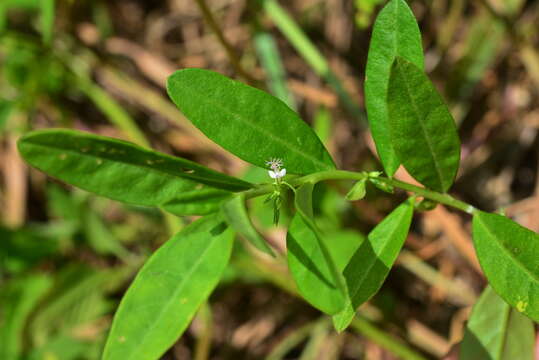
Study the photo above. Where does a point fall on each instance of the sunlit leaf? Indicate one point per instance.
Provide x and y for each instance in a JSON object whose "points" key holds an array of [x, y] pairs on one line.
{"points": [[371, 263], [509, 254], [422, 129], [126, 172], [168, 291], [318, 279], [395, 33], [496, 331], [248, 122], [236, 216]]}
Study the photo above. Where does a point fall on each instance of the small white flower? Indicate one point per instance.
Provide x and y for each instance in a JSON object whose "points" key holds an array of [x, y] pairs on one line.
{"points": [[274, 164], [277, 174]]}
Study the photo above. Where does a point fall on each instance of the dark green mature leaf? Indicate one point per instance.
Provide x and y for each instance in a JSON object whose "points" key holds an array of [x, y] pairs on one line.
{"points": [[496, 331], [422, 129], [200, 202], [509, 255], [395, 33], [17, 300], [311, 265], [168, 291], [236, 216], [126, 172], [370, 265], [248, 122]]}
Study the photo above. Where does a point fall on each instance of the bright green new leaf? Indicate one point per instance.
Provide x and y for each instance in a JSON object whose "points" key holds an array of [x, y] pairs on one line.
{"points": [[358, 191], [310, 262], [248, 122], [17, 300], [395, 33], [343, 245], [422, 129], [168, 291], [126, 172], [236, 216], [370, 265], [496, 331], [509, 255]]}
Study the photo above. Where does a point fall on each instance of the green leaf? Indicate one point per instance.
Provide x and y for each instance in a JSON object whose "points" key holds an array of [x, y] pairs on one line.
{"points": [[508, 254], [168, 291], [236, 216], [310, 262], [422, 129], [357, 192], [47, 19], [65, 347], [496, 331], [17, 300], [270, 60], [22, 248], [77, 298], [126, 172], [200, 202], [395, 33], [248, 122], [370, 265]]}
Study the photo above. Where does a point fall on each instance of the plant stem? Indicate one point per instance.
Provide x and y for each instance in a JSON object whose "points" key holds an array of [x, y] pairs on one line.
{"points": [[441, 198], [445, 199], [234, 60]]}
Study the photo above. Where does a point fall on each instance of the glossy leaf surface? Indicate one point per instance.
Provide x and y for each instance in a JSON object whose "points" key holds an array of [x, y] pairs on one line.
{"points": [[422, 129], [236, 216], [395, 33], [495, 331], [509, 255], [248, 122], [168, 291], [126, 172], [310, 262], [372, 261]]}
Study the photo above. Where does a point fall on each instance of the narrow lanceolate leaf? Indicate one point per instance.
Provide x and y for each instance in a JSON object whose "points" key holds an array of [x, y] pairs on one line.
{"points": [[370, 265], [168, 291], [509, 256], [311, 264], [395, 33], [422, 129], [236, 216], [496, 331], [248, 122], [17, 300], [126, 172]]}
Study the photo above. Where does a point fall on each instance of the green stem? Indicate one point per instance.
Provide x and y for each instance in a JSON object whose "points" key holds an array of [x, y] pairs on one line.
{"points": [[445, 199], [441, 198]]}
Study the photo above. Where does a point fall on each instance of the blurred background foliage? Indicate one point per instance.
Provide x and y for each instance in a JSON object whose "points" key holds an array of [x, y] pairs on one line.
{"points": [[66, 256]]}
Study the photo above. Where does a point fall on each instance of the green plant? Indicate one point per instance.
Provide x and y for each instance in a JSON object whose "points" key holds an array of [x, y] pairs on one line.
{"points": [[411, 126]]}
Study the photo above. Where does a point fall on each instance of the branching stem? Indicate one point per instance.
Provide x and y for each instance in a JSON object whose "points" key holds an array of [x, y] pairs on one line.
{"points": [[441, 198]]}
